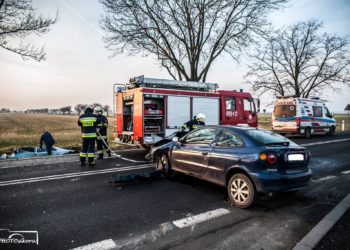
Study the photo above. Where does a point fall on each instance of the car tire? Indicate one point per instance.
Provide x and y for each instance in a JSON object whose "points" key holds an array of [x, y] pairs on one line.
{"points": [[163, 164], [307, 133], [331, 131], [241, 191]]}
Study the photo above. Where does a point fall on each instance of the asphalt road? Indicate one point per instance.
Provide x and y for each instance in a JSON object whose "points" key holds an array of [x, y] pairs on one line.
{"points": [[71, 206]]}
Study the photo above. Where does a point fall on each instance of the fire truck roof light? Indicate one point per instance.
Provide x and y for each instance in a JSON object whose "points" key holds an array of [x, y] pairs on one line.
{"points": [[141, 81]]}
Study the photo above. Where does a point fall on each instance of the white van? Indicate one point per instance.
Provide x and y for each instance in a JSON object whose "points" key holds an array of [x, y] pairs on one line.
{"points": [[302, 116]]}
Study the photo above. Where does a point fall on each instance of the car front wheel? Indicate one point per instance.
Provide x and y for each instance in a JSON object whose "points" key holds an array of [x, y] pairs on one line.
{"points": [[331, 131], [241, 191], [163, 164]]}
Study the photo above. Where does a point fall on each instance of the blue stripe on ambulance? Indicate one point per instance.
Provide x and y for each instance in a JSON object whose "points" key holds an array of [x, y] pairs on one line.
{"points": [[303, 119]]}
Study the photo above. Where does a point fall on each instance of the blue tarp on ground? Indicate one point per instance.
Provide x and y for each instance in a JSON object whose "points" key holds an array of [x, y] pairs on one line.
{"points": [[29, 152]]}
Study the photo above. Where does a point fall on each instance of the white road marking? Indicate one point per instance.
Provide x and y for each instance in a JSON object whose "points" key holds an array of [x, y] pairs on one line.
{"points": [[346, 172], [101, 245], [190, 221], [324, 142], [75, 179], [70, 175], [35, 158], [134, 242], [326, 178]]}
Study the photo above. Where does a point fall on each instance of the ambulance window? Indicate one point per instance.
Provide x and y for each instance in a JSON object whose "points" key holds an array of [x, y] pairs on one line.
{"points": [[248, 104], [230, 103], [328, 114], [317, 111], [284, 111]]}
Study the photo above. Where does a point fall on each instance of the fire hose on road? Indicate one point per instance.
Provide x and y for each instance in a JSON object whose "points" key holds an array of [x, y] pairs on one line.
{"points": [[121, 178], [117, 155]]}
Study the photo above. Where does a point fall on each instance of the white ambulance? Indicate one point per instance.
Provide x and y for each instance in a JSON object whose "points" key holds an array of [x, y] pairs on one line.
{"points": [[302, 116]]}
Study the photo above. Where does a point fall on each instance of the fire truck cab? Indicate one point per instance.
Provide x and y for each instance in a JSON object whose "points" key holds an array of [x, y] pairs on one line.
{"points": [[149, 109]]}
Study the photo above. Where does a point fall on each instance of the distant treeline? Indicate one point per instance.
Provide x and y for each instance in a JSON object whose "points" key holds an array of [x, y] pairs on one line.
{"points": [[67, 110]]}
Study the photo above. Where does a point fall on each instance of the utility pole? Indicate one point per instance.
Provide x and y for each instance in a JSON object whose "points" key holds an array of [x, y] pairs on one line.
{"points": [[347, 108]]}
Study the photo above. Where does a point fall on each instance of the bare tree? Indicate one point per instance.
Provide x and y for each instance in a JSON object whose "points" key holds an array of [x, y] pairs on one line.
{"points": [[96, 104], [300, 61], [66, 110], [18, 19], [79, 108], [186, 36], [106, 109]]}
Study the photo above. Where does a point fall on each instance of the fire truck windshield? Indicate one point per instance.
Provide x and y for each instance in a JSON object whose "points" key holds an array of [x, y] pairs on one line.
{"points": [[249, 104]]}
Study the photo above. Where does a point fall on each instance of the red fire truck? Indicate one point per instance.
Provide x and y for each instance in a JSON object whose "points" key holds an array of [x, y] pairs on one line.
{"points": [[149, 109]]}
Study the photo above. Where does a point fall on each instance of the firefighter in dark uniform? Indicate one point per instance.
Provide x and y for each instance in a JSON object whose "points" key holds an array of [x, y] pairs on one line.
{"points": [[48, 140], [88, 123], [101, 140], [196, 122]]}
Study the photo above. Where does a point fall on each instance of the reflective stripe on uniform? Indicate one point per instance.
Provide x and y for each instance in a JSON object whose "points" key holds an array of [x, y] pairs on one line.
{"points": [[194, 126], [83, 154], [88, 119], [90, 155], [102, 124], [88, 135], [101, 137]]}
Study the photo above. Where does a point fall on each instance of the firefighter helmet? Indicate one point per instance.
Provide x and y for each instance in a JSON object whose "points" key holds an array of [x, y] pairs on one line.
{"points": [[98, 110], [89, 109], [200, 117]]}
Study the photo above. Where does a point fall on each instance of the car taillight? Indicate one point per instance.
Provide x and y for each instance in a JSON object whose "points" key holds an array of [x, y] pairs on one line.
{"points": [[298, 121], [262, 157], [309, 155], [271, 158]]}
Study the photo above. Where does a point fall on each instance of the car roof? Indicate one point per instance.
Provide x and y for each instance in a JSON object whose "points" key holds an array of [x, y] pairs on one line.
{"points": [[241, 128]]}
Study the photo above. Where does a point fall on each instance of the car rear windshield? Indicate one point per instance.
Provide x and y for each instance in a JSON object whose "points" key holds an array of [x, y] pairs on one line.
{"points": [[284, 111], [265, 137]]}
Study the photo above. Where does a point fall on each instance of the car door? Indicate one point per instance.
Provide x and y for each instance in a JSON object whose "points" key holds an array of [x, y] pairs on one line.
{"points": [[227, 152], [193, 153]]}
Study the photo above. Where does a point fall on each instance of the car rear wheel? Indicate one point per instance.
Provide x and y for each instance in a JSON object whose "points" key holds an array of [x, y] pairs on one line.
{"points": [[163, 164], [241, 191], [307, 133]]}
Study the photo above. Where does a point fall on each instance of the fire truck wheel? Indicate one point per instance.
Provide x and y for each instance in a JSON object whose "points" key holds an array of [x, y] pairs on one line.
{"points": [[164, 164], [307, 133]]}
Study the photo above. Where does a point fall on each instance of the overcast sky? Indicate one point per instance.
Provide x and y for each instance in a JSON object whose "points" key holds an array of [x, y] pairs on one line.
{"points": [[79, 69]]}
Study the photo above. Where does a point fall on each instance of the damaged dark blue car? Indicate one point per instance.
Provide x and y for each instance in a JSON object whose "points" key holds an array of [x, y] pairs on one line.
{"points": [[245, 160]]}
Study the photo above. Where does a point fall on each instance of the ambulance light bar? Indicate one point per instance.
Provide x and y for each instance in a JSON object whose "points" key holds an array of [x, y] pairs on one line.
{"points": [[285, 96]]}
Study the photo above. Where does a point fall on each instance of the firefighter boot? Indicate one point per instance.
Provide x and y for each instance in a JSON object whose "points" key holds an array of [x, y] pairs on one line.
{"points": [[100, 156], [109, 153], [92, 161], [82, 161]]}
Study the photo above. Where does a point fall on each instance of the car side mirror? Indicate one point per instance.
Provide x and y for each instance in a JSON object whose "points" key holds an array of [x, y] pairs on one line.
{"points": [[332, 115], [175, 139]]}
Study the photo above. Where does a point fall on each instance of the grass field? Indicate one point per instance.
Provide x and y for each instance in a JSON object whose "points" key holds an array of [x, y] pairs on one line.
{"points": [[19, 130]]}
